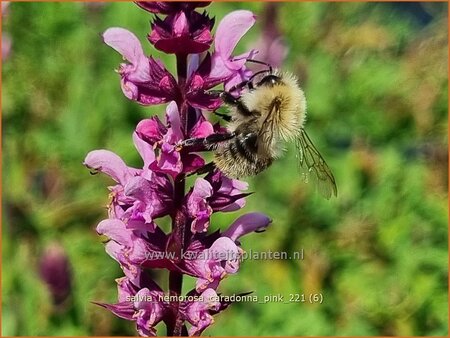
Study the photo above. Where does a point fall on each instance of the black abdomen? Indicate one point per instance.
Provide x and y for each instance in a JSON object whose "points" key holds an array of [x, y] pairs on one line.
{"points": [[240, 157]]}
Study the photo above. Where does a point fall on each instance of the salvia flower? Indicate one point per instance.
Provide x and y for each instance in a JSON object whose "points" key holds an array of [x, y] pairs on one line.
{"points": [[144, 79], [143, 304], [225, 67], [198, 313], [141, 196]]}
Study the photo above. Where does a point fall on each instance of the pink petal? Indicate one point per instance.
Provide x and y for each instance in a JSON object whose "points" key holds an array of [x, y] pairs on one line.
{"points": [[144, 149], [247, 223], [109, 163], [140, 189], [238, 77], [174, 133], [198, 312], [240, 185], [114, 250], [129, 89], [115, 229], [124, 289], [202, 129], [141, 226], [219, 70], [200, 224], [151, 130], [142, 295], [239, 61], [211, 299], [150, 311], [127, 44], [170, 160], [231, 29], [224, 249], [202, 284], [202, 188]]}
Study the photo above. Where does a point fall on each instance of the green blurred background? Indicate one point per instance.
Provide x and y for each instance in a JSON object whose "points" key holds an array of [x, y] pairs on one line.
{"points": [[375, 76]]}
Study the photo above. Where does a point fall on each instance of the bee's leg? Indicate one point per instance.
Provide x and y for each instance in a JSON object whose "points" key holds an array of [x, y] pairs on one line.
{"points": [[236, 102], [215, 92], [226, 117], [207, 168], [205, 143], [241, 85], [229, 99]]}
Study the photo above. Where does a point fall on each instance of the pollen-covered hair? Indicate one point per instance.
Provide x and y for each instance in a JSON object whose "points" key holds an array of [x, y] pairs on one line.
{"points": [[291, 102]]}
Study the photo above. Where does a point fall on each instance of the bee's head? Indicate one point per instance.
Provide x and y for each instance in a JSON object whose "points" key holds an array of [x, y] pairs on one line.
{"points": [[269, 81]]}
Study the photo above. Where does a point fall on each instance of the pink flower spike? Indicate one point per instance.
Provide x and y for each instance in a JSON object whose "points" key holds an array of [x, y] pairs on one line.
{"points": [[169, 182]]}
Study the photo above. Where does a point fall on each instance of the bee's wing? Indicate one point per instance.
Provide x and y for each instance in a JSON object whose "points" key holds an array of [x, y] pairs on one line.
{"points": [[314, 167]]}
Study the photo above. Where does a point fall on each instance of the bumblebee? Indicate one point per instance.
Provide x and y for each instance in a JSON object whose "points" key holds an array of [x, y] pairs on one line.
{"points": [[267, 114]]}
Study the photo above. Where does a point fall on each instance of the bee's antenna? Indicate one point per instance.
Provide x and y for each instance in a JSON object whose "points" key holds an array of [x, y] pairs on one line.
{"points": [[249, 82], [261, 63]]}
